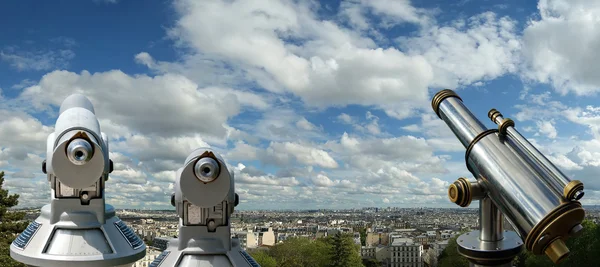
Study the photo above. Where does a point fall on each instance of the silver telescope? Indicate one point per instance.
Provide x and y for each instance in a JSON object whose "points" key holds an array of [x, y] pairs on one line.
{"points": [[515, 180], [204, 199], [77, 228]]}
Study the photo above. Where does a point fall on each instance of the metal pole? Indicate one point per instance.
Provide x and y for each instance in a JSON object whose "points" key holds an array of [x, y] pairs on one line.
{"points": [[491, 221], [490, 246]]}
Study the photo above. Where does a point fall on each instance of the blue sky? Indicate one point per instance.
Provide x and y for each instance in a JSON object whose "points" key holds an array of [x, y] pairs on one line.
{"points": [[314, 105]]}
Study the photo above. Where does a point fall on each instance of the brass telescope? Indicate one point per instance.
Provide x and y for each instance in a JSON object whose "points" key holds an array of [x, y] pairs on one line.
{"points": [[513, 179]]}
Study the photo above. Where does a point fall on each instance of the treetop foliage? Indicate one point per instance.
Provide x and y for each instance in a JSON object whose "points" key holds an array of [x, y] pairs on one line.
{"points": [[11, 224], [585, 252], [331, 251]]}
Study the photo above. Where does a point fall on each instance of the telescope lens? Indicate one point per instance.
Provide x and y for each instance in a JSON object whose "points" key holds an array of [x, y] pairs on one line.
{"points": [[206, 170], [79, 151]]}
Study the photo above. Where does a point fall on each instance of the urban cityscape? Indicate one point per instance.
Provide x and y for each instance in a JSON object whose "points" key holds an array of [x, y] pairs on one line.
{"points": [[394, 236]]}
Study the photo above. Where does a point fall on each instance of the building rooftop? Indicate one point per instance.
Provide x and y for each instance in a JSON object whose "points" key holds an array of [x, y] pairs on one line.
{"points": [[402, 242]]}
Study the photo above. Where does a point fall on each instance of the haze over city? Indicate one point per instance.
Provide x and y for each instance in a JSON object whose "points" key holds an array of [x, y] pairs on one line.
{"points": [[313, 104]]}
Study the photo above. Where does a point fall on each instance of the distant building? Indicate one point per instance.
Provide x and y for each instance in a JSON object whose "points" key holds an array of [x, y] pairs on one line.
{"points": [[266, 238], [374, 239], [367, 252], [247, 239], [405, 253], [151, 254]]}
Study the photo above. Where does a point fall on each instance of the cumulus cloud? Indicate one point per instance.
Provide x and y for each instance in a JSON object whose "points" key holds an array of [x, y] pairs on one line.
{"points": [[303, 154], [558, 46], [188, 108], [335, 66], [482, 47]]}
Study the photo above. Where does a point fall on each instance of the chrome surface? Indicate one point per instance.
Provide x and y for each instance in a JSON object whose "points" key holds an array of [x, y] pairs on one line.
{"points": [[460, 120], [576, 230], [491, 221], [80, 151], [519, 192], [206, 169], [482, 253], [552, 175]]}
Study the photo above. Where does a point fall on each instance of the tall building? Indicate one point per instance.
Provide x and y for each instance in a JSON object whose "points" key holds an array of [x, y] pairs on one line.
{"points": [[405, 253]]}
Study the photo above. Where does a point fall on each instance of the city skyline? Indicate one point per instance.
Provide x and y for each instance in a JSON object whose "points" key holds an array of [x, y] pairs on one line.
{"points": [[314, 105]]}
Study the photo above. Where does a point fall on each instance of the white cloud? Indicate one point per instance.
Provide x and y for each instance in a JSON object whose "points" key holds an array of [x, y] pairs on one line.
{"points": [[38, 60], [245, 177], [304, 154], [547, 128], [243, 151], [558, 47], [304, 124], [483, 47], [145, 148], [334, 67], [21, 134], [187, 108], [322, 181], [345, 118]]}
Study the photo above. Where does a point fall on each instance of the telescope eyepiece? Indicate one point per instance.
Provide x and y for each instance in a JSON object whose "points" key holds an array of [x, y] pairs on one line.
{"points": [[80, 151], [206, 169]]}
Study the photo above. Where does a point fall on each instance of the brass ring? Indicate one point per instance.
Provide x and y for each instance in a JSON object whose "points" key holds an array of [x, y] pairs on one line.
{"points": [[493, 113], [468, 196], [460, 192], [571, 188], [557, 222], [503, 126], [475, 140], [453, 193], [439, 97]]}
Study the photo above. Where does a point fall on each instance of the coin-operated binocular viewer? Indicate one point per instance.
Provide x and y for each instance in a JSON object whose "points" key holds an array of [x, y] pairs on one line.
{"points": [[515, 180], [77, 228], [204, 199]]}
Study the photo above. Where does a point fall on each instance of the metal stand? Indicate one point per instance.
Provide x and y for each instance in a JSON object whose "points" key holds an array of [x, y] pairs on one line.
{"points": [[491, 245], [204, 199]]}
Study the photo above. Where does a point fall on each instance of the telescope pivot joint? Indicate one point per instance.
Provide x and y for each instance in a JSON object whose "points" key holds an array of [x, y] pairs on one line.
{"points": [[462, 192]]}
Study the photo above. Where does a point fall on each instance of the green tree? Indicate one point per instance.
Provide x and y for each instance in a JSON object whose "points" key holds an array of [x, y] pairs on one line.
{"points": [[344, 252], [298, 252], [263, 258], [450, 256], [11, 224], [584, 250], [363, 236], [371, 263]]}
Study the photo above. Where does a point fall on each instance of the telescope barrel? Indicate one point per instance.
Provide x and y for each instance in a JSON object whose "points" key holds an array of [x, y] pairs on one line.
{"points": [[460, 120], [570, 190], [540, 216]]}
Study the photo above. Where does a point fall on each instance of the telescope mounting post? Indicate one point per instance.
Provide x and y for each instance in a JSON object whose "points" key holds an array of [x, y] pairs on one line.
{"points": [[491, 245]]}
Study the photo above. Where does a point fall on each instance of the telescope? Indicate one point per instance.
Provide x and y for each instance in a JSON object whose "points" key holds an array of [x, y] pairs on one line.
{"points": [[513, 179], [204, 199], [77, 228]]}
